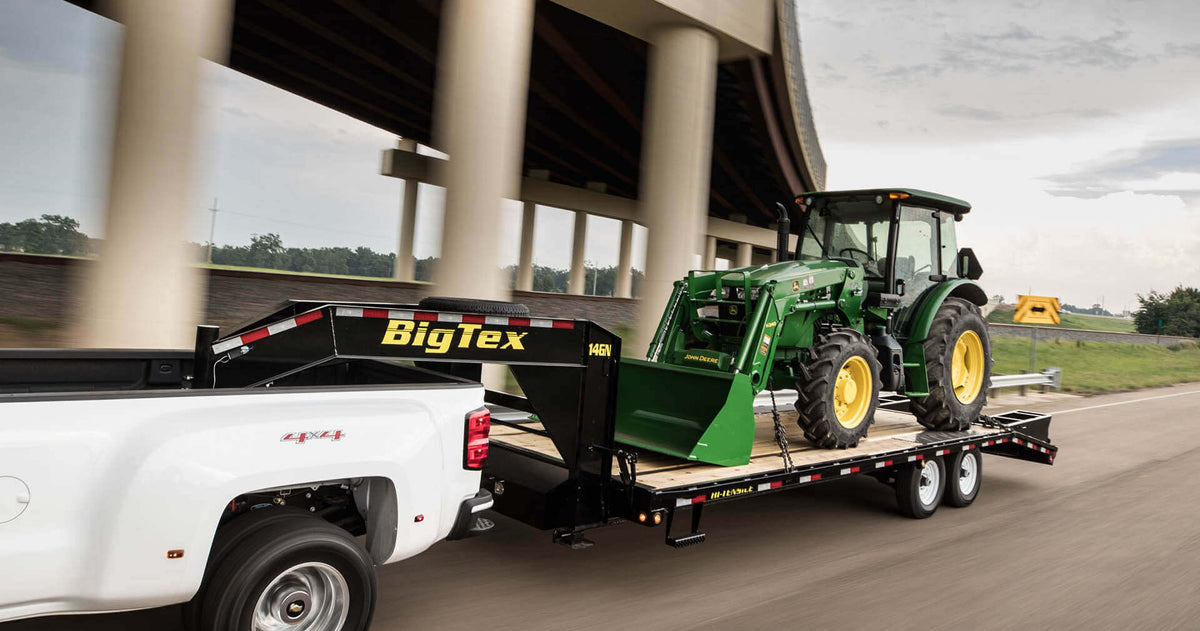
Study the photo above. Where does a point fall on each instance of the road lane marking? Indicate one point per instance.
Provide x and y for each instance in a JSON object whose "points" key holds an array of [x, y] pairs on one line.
{"points": [[1108, 405]]}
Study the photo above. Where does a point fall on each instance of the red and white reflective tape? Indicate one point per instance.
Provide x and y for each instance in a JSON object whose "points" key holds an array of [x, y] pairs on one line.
{"points": [[916, 457], [941, 452], [767, 486], [266, 331], [848, 470], [883, 463], [810, 478], [455, 318]]}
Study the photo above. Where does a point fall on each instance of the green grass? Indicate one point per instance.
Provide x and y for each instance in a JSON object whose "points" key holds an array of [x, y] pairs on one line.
{"points": [[1097, 367], [1072, 321]]}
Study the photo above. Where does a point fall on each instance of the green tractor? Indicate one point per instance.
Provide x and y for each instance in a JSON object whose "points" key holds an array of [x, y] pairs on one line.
{"points": [[875, 297]]}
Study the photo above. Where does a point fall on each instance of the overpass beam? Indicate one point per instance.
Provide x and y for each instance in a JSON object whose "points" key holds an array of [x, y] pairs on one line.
{"points": [[624, 284], [480, 122], [144, 290], [676, 162], [525, 261], [576, 280], [710, 253], [745, 255], [404, 267]]}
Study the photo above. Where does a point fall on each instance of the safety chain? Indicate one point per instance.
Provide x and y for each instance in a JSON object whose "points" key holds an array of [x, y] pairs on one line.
{"points": [[780, 434]]}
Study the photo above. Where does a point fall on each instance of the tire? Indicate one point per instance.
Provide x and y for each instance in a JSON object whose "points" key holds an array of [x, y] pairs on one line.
{"points": [[964, 476], [314, 556], [227, 537], [945, 409], [469, 305], [919, 488], [844, 352]]}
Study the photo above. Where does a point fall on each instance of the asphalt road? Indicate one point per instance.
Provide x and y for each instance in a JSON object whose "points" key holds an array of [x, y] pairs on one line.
{"points": [[1107, 538]]}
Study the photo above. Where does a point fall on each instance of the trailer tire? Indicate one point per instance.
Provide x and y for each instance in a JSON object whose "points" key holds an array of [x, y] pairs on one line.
{"points": [[964, 476], [958, 325], [844, 355], [919, 488], [288, 569], [228, 536], [470, 305]]}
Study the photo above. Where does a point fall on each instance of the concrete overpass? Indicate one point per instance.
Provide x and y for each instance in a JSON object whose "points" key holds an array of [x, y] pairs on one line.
{"points": [[687, 116]]}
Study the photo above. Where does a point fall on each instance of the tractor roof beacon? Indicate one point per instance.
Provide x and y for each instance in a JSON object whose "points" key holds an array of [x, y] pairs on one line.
{"points": [[876, 296]]}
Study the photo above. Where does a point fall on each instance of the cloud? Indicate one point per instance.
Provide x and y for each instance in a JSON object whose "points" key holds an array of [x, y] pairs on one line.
{"points": [[1158, 167], [972, 113]]}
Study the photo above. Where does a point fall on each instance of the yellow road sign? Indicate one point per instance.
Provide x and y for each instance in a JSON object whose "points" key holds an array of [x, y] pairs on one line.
{"points": [[1036, 310]]}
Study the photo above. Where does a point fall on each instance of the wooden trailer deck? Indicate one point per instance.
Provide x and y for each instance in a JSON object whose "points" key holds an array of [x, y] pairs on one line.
{"points": [[892, 431]]}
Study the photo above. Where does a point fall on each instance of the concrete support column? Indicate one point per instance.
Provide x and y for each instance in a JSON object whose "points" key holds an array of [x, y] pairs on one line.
{"points": [[676, 162], [144, 290], [624, 284], [710, 253], [483, 77], [405, 267], [576, 280], [745, 254], [525, 262]]}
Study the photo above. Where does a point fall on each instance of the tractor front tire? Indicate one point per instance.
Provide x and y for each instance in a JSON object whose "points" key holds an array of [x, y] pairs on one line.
{"points": [[838, 390], [958, 364]]}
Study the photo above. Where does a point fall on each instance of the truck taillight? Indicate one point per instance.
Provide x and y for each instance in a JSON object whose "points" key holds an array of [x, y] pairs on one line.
{"points": [[479, 423]]}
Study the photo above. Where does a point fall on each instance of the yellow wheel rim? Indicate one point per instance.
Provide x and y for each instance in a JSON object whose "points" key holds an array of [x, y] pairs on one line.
{"points": [[852, 392], [966, 370]]}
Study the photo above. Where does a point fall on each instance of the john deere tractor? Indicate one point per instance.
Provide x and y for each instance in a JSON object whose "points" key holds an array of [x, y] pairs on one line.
{"points": [[876, 296]]}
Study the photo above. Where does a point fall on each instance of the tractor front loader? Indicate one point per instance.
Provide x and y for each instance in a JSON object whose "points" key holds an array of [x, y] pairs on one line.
{"points": [[876, 296]]}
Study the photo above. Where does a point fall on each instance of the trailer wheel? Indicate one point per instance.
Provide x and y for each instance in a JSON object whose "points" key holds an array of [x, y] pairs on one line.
{"points": [[958, 365], [919, 488], [964, 475], [470, 305], [298, 572], [838, 390]]}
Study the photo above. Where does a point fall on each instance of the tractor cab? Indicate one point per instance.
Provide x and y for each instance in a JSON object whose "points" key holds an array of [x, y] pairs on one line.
{"points": [[903, 239]]}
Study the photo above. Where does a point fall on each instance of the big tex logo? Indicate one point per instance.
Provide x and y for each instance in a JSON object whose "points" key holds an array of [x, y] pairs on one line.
{"points": [[440, 340]]}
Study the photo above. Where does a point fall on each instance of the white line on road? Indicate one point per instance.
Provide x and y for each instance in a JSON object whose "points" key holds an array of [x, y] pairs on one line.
{"points": [[1108, 405]]}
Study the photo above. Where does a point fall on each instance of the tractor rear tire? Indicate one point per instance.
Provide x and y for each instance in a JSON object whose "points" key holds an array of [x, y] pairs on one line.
{"points": [[957, 325], [844, 355]]}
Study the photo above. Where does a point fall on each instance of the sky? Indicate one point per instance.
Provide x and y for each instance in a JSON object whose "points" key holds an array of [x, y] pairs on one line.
{"points": [[1071, 127]]}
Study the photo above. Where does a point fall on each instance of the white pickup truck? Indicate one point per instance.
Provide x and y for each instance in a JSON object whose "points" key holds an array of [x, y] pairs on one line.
{"points": [[247, 479]]}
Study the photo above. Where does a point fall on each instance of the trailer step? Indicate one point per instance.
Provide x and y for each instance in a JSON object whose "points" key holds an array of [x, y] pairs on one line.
{"points": [[686, 540]]}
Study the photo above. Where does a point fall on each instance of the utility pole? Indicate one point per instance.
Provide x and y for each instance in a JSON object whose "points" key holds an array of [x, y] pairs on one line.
{"points": [[212, 230]]}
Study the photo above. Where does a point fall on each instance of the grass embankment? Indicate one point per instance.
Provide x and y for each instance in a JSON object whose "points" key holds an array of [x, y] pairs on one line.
{"points": [[1072, 321], [1097, 367]]}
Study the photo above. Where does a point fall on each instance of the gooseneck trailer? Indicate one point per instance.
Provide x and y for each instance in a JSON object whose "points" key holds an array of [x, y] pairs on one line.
{"points": [[554, 461]]}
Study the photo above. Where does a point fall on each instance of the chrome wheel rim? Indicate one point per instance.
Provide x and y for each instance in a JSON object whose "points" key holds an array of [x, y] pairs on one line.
{"points": [[968, 474], [931, 480], [306, 597]]}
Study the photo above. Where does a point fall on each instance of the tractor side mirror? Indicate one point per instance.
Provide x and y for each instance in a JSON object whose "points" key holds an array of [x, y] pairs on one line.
{"points": [[968, 264]]}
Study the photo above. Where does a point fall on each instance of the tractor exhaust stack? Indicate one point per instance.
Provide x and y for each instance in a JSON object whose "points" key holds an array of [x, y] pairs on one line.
{"points": [[783, 234]]}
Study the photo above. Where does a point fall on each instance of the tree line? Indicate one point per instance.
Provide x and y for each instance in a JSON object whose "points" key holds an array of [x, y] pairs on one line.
{"points": [[51, 234], [1176, 313], [57, 234]]}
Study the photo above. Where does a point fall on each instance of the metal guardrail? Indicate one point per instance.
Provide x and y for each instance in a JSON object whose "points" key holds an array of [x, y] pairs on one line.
{"points": [[1048, 378]]}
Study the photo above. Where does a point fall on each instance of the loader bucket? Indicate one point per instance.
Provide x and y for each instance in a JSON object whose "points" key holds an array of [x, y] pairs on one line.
{"points": [[692, 413]]}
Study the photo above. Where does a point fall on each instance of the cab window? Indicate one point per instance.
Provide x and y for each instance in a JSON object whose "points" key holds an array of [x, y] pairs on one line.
{"points": [[916, 251]]}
